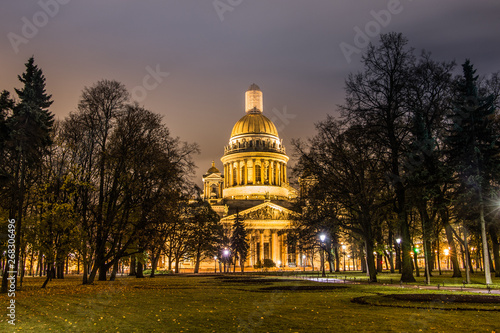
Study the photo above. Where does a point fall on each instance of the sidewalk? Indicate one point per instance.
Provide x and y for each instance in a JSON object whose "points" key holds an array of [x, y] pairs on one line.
{"points": [[408, 286]]}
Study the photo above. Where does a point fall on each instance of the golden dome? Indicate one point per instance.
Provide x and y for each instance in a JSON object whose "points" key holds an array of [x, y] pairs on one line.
{"points": [[254, 123], [213, 169]]}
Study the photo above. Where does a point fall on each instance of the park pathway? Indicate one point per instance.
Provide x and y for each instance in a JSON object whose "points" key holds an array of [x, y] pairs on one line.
{"points": [[409, 286]]}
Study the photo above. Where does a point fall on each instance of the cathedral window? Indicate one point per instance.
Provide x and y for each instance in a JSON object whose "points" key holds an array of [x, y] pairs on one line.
{"points": [[257, 174]]}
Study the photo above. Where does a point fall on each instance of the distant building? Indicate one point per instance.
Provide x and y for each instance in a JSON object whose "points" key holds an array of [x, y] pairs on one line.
{"points": [[254, 183]]}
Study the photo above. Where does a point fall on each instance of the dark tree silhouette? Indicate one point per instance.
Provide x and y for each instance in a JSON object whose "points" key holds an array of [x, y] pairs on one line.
{"points": [[239, 243], [29, 129], [473, 149]]}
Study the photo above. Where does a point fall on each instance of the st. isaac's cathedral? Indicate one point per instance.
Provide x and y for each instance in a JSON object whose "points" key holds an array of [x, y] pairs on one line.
{"points": [[254, 184]]}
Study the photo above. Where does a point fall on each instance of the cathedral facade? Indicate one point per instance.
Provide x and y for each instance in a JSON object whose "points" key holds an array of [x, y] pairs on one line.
{"points": [[254, 184]]}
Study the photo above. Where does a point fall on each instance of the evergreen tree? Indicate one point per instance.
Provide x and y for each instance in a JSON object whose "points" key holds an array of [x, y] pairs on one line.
{"points": [[29, 127], [473, 149], [239, 243], [6, 106]]}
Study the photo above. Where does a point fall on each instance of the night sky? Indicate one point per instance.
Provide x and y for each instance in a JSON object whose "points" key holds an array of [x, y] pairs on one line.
{"points": [[290, 48]]}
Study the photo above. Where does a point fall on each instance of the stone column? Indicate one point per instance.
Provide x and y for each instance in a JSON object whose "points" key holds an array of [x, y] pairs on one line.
{"points": [[285, 173], [253, 171], [262, 167], [285, 259], [238, 173], [281, 249], [281, 176], [245, 171], [226, 176], [261, 246], [276, 253], [272, 174]]}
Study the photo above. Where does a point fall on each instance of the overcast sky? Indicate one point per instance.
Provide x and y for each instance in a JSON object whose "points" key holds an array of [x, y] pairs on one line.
{"points": [[213, 50]]}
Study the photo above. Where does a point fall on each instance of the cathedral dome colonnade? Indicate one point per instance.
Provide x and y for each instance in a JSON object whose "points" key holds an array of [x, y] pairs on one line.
{"points": [[255, 159]]}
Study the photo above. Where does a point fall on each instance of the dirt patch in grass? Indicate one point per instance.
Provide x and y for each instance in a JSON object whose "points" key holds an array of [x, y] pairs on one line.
{"points": [[446, 298], [256, 281], [433, 301], [302, 288]]}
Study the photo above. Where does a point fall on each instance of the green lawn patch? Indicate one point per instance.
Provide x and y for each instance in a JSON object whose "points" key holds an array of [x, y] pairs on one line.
{"points": [[213, 304]]}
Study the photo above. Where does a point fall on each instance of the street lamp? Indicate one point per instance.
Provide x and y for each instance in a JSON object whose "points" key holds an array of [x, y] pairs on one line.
{"points": [[322, 238], [343, 253], [304, 262], [215, 264], [398, 254], [225, 254]]}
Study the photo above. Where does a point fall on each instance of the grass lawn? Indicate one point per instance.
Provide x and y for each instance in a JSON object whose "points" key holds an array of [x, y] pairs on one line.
{"points": [[232, 304]]}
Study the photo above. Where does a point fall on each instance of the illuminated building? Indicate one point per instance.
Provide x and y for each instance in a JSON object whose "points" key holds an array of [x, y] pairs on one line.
{"points": [[254, 183]]}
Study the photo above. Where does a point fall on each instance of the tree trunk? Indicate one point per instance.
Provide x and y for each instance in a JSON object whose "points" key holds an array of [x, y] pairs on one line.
{"points": [[406, 269], [177, 265], [50, 273], [363, 260], [85, 271], [154, 263], [31, 263], [197, 261], [484, 239], [379, 262], [103, 270], [93, 273], [169, 256], [438, 255], [140, 270], [312, 260], [331, 263], [5, 275], [371, 268], [453, 254], [337, 261], [390, 257], [496, 249], [38, 262], [20, 204], [114, 271], [133, 263], [467, 258]]}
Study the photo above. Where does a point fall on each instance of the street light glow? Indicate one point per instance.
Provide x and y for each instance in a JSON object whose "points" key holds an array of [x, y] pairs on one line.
{"points": [[398, 240], [322, 237]]}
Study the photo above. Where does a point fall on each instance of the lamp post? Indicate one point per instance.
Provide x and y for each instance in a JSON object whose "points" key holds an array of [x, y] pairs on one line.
{"points": [[398, 254], [225, 254], [215, 264], [343, 254], [322, 238], [304, 259]]}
